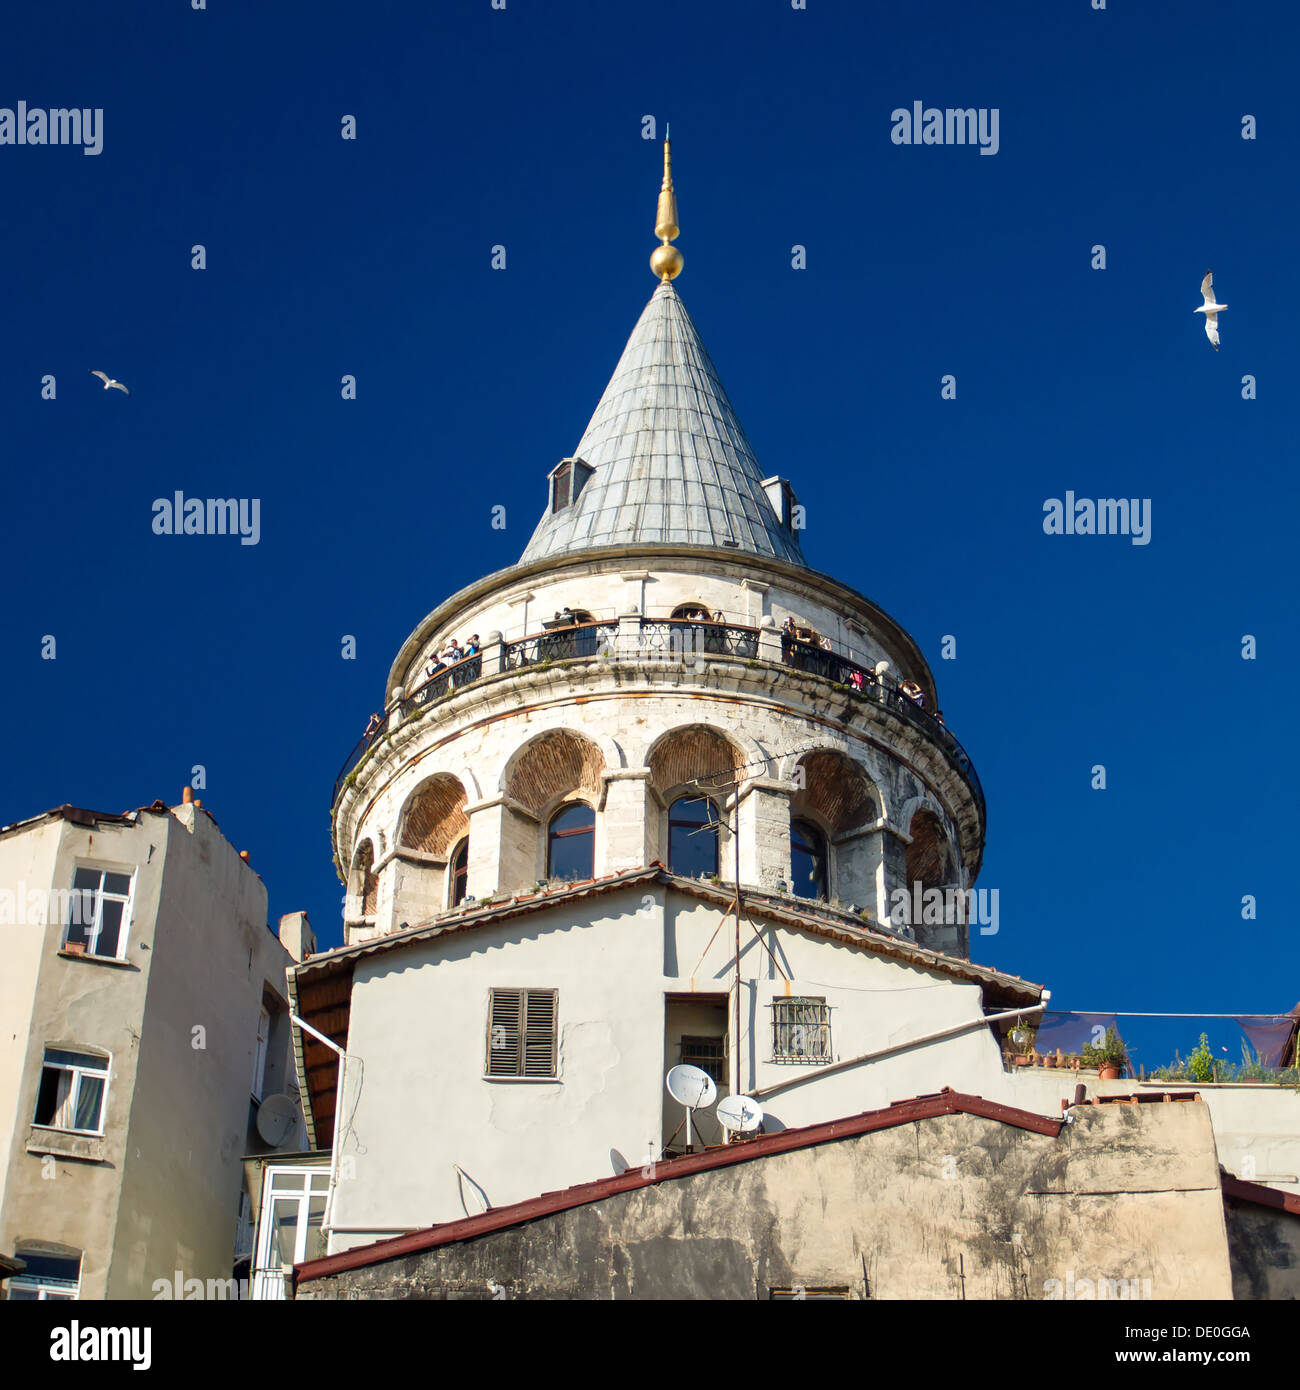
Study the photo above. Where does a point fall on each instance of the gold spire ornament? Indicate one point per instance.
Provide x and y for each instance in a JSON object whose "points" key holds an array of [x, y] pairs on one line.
{"points": [[666, 261]]}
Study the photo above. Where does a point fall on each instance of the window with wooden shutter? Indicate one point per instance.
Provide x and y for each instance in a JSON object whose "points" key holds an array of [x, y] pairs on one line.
{"points": [[522, 1033]]}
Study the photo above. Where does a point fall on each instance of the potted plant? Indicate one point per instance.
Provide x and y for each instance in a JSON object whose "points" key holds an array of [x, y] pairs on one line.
{"points": [[1109, 1057], [1021, 1038]]}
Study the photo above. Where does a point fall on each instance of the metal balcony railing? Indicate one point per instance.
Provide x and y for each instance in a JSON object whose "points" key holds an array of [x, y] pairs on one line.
{"points": [[681, 638], [677, 639], [559, 644]]}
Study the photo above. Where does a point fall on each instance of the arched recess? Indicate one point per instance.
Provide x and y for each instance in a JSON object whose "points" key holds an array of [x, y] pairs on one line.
{"points": [[695, 760], [434, 818], [930, 860], [363, 882], [552, 766], [836, 796], [938, 920]]}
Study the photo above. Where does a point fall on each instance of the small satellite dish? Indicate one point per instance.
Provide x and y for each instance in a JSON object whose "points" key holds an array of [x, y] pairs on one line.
{"points": [[740, 1113], [277, 1118], [691, 1087]]}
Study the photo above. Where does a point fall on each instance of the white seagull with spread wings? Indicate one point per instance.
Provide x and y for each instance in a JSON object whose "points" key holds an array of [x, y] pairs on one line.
{"points": [[108, 381], [1210, 309]]}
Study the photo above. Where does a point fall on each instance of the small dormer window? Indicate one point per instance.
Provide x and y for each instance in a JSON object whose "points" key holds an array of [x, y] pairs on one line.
{"points": [[567, 480]]}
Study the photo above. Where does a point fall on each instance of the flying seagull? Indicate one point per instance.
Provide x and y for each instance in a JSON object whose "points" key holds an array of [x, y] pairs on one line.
{"points": [[1210, 309], [108, 381]]}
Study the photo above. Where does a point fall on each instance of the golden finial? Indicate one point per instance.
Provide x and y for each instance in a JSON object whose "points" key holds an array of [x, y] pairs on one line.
{"points": [[666, 261]]}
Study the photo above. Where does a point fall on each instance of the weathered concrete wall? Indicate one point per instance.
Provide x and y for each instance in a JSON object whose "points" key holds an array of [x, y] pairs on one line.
{"points": [[1264, 1245], [213, 960], [160, 1191], [947, 1208], [26, 869], [1256, 1128]]}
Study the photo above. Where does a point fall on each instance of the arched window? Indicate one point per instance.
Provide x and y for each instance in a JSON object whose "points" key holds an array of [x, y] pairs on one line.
{"points": [[571, 842], [459, 872], [693, 836], [808, 866]]}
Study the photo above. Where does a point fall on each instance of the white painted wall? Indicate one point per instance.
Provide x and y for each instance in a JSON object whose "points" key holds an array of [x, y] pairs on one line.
{"points": [[419, 1025]]}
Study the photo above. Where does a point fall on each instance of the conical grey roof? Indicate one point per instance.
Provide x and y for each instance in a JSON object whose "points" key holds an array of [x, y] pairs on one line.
{"points": [[672, 464]]}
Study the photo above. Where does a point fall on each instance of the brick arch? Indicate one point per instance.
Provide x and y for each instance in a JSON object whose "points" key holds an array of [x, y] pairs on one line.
{"points": [[553, 765], [434, 818], [930, 858], [684, 755], [836, 791]]}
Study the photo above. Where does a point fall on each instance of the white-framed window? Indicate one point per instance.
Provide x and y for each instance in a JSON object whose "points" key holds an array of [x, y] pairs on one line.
{"points": [[291, 1226], [99, 913], [259, 1055], [73, 1090], [47, 1278], [522, 1033]]}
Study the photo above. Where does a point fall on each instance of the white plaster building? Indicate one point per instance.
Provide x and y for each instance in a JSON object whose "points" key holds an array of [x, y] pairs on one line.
{"points": [[543, 840]]}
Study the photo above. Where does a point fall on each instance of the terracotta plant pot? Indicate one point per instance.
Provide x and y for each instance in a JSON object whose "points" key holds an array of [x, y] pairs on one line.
{"points": [[1108, 1072], [75, 948], [1051, 1061], [1021, 1060]]}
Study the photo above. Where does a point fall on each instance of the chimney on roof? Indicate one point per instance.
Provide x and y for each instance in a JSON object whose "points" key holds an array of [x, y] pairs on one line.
{"points": [[296, 935], [187, 795], [243, 854]]}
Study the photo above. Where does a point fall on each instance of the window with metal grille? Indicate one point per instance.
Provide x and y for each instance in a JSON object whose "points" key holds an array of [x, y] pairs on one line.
{"points": [[801, 1030], [522, 1033], [709, 1054]]}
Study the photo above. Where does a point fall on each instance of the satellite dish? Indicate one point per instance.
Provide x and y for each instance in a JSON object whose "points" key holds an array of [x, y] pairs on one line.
{"points": [[691, 1087], [277, 1118], [740, 1113]]}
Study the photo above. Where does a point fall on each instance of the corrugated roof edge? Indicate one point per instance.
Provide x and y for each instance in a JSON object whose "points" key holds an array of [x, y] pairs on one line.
{"points": [[946, 1102]]}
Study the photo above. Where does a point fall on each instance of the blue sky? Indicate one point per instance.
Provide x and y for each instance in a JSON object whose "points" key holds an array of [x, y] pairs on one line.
{"points": [[523, 128]]}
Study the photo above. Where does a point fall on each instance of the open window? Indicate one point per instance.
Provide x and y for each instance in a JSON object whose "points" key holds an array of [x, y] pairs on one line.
{"points": [[99, 912], [74, 1086]]}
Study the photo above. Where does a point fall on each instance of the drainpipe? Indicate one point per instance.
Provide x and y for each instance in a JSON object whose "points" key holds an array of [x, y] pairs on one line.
{"points": [[949, 1032], [326, 1224]]}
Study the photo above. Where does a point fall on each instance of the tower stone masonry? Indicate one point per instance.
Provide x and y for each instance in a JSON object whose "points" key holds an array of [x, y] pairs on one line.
{"points": [[662, 642]]}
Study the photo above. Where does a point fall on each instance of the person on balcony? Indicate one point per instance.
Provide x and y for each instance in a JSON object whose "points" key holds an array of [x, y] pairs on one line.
{"points": [[435, 665], [453, 653], [913, 693], [472, 648], [373, 727]]}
